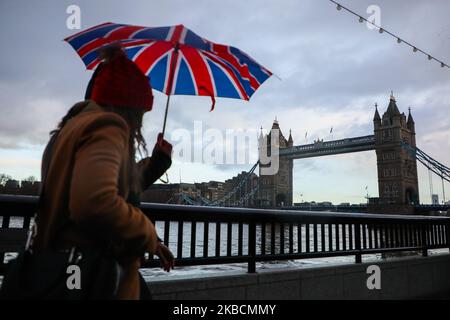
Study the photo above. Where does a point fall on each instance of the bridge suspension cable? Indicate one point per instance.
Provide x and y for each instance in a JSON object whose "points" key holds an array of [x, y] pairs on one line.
{"points": [[438, 168], [430, 182], [237, 188], [226, 198], [432, 165], [443, 189]]}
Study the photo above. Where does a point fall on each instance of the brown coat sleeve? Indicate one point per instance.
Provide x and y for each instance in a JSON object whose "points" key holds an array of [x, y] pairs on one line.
{"points": [[152, 168], [94, 197]]}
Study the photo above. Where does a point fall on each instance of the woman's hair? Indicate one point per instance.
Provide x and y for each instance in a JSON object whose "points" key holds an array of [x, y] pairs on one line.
{"points": [[134, 118]]}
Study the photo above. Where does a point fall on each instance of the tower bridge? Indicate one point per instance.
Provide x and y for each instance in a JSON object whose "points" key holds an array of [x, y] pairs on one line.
{"points": [[394, 142], [397, 168]]}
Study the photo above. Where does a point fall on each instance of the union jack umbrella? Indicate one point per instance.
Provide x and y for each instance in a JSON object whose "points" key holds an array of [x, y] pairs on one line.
{"points": [[176, 60]]}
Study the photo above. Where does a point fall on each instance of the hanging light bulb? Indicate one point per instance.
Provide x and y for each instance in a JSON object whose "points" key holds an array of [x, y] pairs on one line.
{"points": [[361, 19]]}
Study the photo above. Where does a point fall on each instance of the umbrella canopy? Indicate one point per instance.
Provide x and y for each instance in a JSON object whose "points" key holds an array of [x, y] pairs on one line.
{"points": [[176, 60]]}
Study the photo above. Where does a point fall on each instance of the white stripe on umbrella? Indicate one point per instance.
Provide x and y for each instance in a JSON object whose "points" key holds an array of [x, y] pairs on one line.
{"points": [[170, 33], [183, 35], [175, 74]]}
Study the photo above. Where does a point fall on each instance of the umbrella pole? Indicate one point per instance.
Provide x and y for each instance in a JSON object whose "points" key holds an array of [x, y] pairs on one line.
{"points": [[169, 89], [165, 114]]}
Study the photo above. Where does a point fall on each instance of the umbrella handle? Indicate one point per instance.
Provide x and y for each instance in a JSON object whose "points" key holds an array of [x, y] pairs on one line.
{"points": [[167, 179], [165, 114]]}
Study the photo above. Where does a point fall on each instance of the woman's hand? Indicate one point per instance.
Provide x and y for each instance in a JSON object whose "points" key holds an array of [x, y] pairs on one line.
{"points": [[166, 257], [163, 145]]}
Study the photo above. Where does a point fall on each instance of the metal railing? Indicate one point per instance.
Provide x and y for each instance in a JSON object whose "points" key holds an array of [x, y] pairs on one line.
{"points": [[215, 235]]}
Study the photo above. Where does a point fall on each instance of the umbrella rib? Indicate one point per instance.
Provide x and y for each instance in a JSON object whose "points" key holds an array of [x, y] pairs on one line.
{"points": [[176, 71], [170, 71]]}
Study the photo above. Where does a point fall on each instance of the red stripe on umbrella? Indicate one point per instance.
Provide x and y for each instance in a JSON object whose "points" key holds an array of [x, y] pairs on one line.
{"points": [[201, 76], [123, 33], [151, 54]]}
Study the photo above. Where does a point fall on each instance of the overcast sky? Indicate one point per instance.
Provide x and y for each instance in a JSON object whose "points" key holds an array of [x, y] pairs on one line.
{"points": [[330, 71]]}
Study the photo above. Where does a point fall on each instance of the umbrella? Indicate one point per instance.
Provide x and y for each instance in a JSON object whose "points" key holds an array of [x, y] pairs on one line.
{"points": [[176, 60]]}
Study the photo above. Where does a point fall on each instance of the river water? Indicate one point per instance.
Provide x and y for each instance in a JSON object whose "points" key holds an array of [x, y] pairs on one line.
{"points": [[194, 271]]}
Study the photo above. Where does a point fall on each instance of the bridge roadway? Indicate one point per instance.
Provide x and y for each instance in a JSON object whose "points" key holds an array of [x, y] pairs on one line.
{"points": [[324, 148], [419, 208], [432, 207]]}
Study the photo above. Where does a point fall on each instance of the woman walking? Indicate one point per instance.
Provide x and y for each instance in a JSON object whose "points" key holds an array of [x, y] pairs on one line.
{"points": [[91, 178]]}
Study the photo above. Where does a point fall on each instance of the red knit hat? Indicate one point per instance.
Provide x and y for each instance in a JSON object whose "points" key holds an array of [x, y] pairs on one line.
{"points": [[121, 83]]}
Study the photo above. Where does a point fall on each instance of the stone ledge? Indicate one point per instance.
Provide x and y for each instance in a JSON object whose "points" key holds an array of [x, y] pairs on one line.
{"points": [[401, 278]]}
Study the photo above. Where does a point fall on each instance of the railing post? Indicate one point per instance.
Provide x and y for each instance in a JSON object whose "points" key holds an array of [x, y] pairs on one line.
{"points": [[447, 233], [252, 247], [423, 228], [358, 258], [5, 224]]}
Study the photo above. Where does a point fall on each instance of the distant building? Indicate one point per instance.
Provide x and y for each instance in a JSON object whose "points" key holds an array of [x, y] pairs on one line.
{"points": [[212, 190], [25, 187], [177, 193], [13, 184], [169, 193], [11, 187], [204, 192], [434, 199], [31, 188]]}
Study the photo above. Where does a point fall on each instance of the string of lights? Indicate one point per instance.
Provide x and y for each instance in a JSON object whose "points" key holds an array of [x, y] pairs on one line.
{"points": [[361, 19]]}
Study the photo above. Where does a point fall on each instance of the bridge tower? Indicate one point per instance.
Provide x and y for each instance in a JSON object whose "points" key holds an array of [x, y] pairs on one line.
{"points": [[397, 168], [276, 190]]}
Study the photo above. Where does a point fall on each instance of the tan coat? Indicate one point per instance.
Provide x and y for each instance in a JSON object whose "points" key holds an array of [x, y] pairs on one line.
{"points": [[86, 189]]}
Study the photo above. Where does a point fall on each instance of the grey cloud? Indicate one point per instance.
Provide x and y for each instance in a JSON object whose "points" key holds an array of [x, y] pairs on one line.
{"points": [[329, 64]]}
